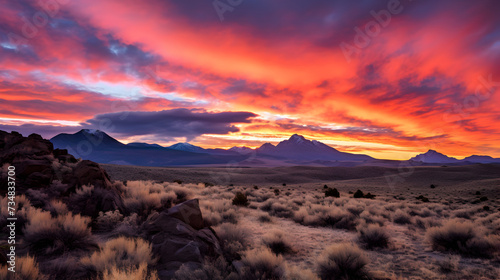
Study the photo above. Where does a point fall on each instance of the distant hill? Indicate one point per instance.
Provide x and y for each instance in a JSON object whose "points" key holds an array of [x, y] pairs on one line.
{"points": [[481, 159], [145, 145]]}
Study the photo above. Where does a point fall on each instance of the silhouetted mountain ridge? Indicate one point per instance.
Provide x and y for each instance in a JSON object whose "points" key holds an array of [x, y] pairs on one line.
{"points": [[98, 146]]}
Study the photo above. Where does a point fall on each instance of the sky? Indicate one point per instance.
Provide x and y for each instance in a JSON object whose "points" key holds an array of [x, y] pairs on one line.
{"points": [[390, 79]]}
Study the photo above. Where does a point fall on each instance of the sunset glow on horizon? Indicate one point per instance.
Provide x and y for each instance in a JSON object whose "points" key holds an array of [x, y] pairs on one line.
{"points": [[389, 79]]}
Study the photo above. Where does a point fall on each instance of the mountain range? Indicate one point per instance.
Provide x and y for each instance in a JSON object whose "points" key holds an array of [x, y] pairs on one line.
{"points": [[98, 146], [432, 156]]}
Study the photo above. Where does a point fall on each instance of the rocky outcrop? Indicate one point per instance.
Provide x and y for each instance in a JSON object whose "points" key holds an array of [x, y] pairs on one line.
{"points": [[32, 157], [87, 172], [38, 165], [178, 237]]}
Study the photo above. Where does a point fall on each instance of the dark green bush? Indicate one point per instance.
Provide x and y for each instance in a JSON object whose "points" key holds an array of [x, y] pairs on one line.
{"points": [[422, 198], [369, 195], [332, 192], [240, 199], [359, 194]]}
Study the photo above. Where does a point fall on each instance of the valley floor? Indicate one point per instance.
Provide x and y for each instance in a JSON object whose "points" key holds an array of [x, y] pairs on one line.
{"points": [[287, 206]]}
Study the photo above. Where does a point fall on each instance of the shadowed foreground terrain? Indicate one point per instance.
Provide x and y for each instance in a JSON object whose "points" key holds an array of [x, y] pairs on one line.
{"points": [[74, 221]]}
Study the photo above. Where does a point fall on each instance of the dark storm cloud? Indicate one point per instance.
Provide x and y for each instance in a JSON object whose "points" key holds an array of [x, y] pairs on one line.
{"points": [[180, 122]]}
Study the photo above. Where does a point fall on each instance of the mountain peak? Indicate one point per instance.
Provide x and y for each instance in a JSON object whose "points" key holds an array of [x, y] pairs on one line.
{"points": [[241, 150], [91, 131], [432, 156], [186, 147], [297, 138]]}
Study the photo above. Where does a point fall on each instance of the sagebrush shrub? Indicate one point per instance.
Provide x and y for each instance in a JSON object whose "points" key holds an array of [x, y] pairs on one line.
{"points": [[240, 199], [108, 221], [219, 211], [464, 238], [234, 240], [401, 217], [130, 273], [26, 269], [47, 235], [340, 219], [57, 207], [122, 253], [262, 264], [342, 261], [218, 269], [264, 218], [373, 236], [450, 264], [144, 196], [297, 273], [278, 242]]}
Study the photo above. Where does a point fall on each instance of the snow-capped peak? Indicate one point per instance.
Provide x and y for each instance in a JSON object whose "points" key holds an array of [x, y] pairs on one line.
{"points": [[92, 131]]}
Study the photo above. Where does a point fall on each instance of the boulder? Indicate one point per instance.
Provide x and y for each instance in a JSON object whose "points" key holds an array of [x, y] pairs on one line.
{"points": [[178, 237], [189, 212], [88, 172], [63, 156]]}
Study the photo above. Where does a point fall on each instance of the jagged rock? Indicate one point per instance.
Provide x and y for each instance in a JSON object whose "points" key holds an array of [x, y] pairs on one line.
{"points": [[175, 241], [188, 212], [63, 156], [88, 172]]}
